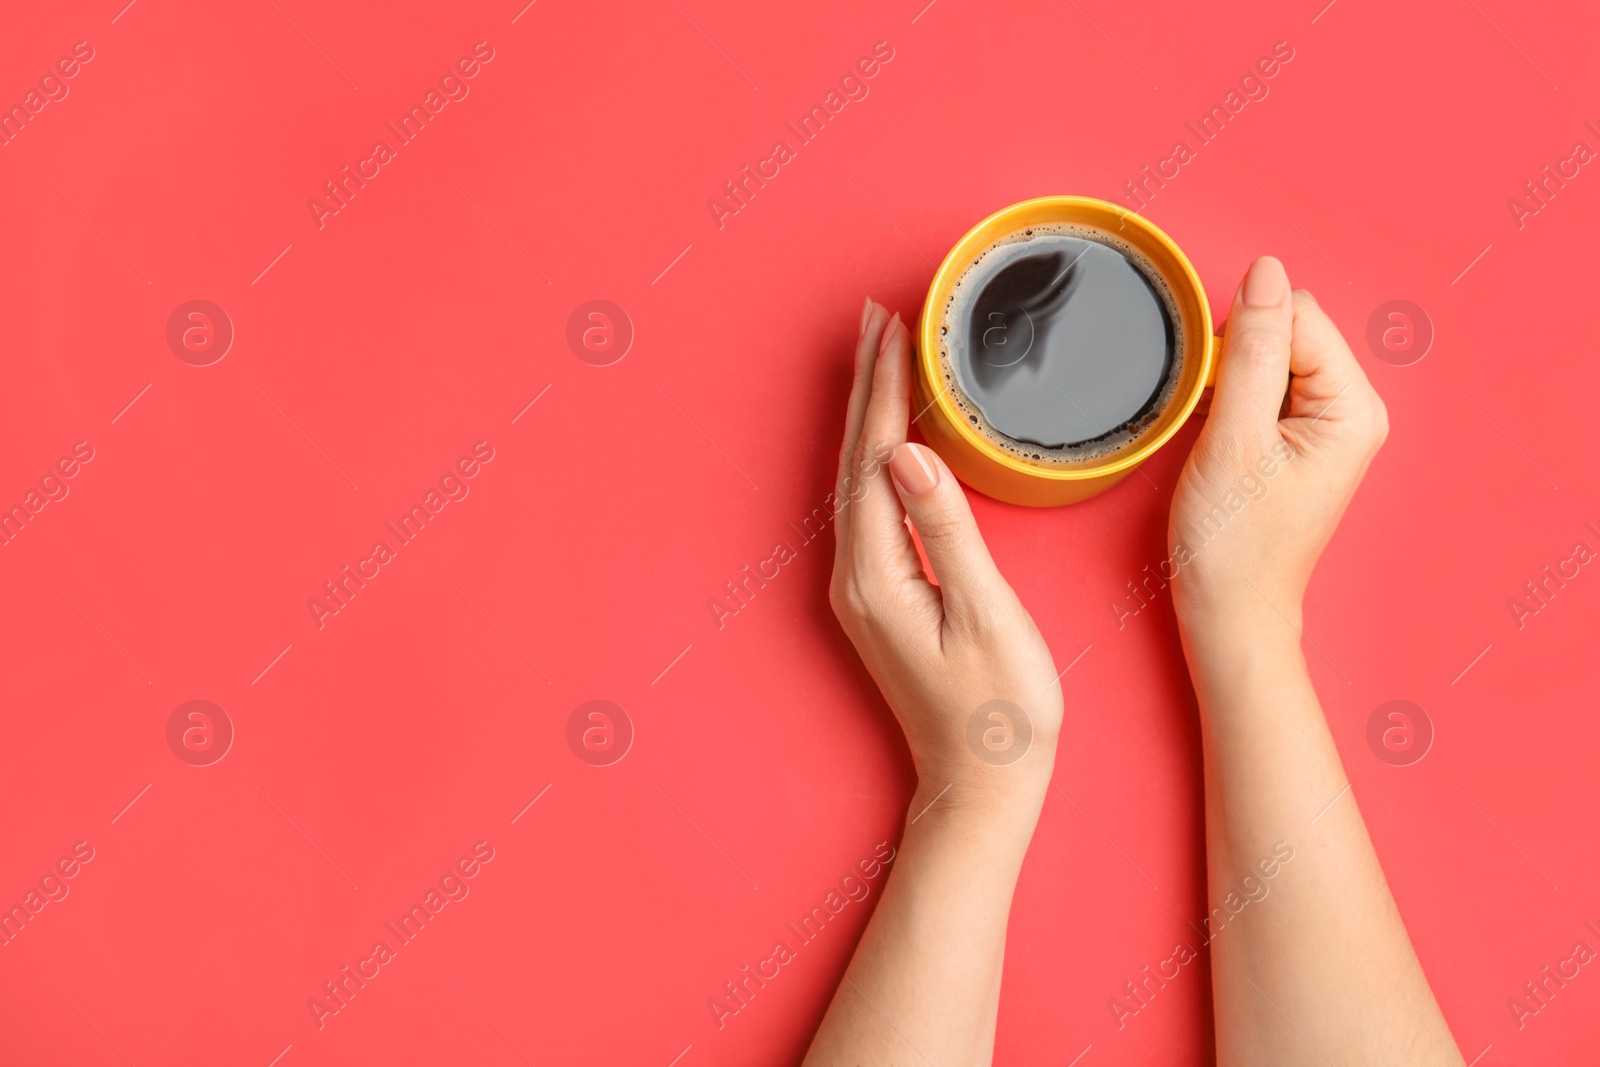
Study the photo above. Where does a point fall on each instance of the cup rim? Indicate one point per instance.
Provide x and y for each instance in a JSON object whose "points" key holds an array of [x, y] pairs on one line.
{"points": [[960, 257]]}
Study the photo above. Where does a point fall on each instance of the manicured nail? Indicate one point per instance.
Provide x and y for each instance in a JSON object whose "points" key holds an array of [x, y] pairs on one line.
{"points": [[888, 332], [912, 471], [866, 316], [1266, 284]]}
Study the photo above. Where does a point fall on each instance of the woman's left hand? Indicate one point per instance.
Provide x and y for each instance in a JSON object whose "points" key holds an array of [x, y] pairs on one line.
{"points": [[961, 663]]}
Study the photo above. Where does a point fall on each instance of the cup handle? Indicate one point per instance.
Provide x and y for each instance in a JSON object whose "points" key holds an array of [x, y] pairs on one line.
{"points": [[1216, 358]]}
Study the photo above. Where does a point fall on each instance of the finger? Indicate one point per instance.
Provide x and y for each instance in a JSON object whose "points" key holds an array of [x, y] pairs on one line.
{"points": [[1255, 354], [1328, 382], [878, 537], [873, 320], [968, 578]]}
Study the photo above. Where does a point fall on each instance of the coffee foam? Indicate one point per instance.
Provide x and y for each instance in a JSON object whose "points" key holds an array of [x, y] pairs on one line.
{"points": [[953, 333]]}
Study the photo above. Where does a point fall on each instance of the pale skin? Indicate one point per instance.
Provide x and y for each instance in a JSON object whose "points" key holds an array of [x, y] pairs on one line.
{"points": [[1320, 969]]}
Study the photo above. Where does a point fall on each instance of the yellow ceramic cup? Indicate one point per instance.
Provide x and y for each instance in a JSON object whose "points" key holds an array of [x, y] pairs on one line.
{"points": [[997, 473]]}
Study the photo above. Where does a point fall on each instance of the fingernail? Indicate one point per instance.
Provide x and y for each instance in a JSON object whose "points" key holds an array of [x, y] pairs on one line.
{"points": [[866, 316], [912, 471], [888, 332], [1266, 284]]}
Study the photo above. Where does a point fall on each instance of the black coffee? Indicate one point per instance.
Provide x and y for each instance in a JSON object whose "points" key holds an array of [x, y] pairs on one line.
{"points": [[1061, 344]]}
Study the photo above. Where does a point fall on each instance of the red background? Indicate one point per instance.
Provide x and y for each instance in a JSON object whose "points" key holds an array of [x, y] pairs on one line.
{"points": [[429, 312]]}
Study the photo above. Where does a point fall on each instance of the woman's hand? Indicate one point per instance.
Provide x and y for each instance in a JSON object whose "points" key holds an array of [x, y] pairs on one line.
{"points": [[961, 663], [1322, 971], [972, 684], [1271, 474]]}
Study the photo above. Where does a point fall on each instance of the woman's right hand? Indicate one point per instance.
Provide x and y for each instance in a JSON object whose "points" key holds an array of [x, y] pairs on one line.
{"points": [[1293, 425]]}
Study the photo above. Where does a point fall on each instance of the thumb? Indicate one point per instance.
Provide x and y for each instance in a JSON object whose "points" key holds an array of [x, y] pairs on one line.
{"points": [[938, 508], [1254, 374]]}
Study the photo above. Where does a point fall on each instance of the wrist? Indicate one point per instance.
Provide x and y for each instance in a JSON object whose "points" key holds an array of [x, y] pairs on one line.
{"points": [[1244, 612], [1238, 653], [981, 835], [971, 793], [1232, 639]]}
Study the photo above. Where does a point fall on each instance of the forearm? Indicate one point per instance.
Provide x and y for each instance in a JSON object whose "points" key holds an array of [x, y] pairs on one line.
{"points": [[924, 985], [1311, 962]]}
